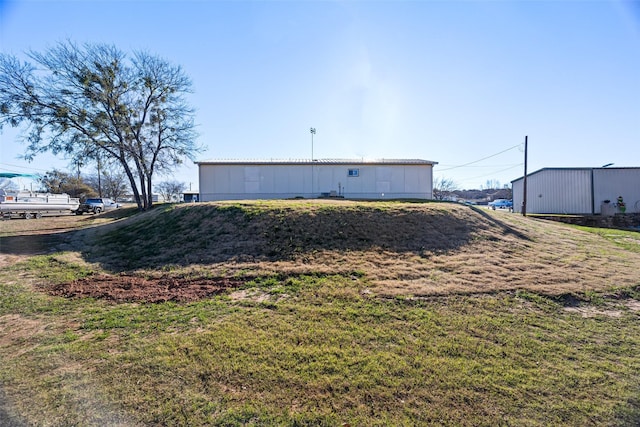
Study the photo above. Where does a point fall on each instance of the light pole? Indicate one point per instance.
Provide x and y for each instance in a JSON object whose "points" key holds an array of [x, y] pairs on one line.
{"points": [[313, 132]]}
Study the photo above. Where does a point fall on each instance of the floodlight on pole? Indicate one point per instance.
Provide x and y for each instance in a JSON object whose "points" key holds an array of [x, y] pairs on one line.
{"points": [[313, 132]]}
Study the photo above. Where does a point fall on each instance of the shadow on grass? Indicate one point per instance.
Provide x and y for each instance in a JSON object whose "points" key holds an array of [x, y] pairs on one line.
{"points": [[34, 244], [506, 229], [207, 233], [6, 419], [628, 414], [47, 237]]}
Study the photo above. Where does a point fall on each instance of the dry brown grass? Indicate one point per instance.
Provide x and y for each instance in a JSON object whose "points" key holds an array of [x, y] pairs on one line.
{"points": [[412, 249], [501, 252]]}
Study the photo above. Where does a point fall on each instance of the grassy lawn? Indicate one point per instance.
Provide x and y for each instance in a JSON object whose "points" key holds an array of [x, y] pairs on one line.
{"points": [[304, 341]]}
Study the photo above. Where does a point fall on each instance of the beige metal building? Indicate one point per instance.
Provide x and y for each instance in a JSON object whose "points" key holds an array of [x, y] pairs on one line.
{"points": [[578, 190], [283, 179]]}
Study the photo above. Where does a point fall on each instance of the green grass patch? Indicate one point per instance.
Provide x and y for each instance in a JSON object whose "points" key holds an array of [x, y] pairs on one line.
{"points": [[326, 353], [16, 298], [628, 240], [53, 268]]}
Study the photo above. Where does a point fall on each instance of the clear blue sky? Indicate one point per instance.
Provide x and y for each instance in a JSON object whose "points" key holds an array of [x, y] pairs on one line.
{"points": [[448, 81]]}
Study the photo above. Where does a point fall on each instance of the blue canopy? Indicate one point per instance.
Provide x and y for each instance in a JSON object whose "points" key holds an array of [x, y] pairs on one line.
{"points": [[17, 175]]}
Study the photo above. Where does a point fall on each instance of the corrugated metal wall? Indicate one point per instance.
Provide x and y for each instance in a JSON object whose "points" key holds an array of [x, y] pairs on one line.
{"points": [[243, 181], [559, 191], [609, 183], [577, 190]]}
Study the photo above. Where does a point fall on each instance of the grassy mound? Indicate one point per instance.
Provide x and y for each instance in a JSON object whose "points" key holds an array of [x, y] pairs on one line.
{"points": [[403, 248], [331, 314], [275, 231]]}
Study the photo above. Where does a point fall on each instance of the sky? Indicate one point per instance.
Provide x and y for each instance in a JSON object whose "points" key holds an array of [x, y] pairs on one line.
{"points": [[460, 83]]}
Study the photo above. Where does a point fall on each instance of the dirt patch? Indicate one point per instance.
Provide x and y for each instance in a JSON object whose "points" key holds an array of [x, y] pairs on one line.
{"points": [[7, 260], [14, 327], [633, 305], [588, 312], [126, 288], [247, 294], [614, 308]]}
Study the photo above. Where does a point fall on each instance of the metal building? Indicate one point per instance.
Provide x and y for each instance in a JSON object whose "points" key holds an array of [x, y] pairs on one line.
{"points": [[283, 179], [581, 191]]}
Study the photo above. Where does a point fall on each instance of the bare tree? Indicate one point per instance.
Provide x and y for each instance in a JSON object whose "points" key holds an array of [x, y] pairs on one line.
{"points": [[111, 181], [492, 184], [171, 190], [443, 188], [93, 101], [114, 184], [7, 184]]}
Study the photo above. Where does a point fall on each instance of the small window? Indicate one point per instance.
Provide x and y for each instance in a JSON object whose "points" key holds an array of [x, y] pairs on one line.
{"points": [[354, 172]]}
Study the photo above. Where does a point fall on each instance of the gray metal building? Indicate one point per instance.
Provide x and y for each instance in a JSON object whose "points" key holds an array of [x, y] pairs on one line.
{"points": [[282, 179], [578, 190]]}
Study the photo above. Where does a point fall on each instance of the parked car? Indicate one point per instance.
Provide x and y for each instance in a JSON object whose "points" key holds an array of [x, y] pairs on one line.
{"points": [[501, 204], [97, 205]]}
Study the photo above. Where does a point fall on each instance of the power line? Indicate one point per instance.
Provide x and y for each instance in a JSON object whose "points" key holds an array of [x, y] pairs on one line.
{"points": [[479, 160], [22, 167], [481, 166], [493, 173]]}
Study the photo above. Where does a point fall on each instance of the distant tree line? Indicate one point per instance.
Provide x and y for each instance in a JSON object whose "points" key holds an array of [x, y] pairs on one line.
{"points": [[448, 189], [109, 184], [488, 194]]}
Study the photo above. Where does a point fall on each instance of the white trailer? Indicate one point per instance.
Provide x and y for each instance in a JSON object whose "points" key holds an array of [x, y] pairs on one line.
{"points": [[26, 204]]}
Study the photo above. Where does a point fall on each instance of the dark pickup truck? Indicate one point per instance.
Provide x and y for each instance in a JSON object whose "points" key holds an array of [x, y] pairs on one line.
{"points": [[96, 206]]}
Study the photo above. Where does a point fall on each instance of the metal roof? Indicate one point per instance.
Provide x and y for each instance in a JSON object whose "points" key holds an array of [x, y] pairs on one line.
{"points": [[575, 169], [316, 162]]}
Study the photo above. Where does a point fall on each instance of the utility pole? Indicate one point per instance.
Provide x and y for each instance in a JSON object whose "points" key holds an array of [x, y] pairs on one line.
{"points": [[524, 186]]}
